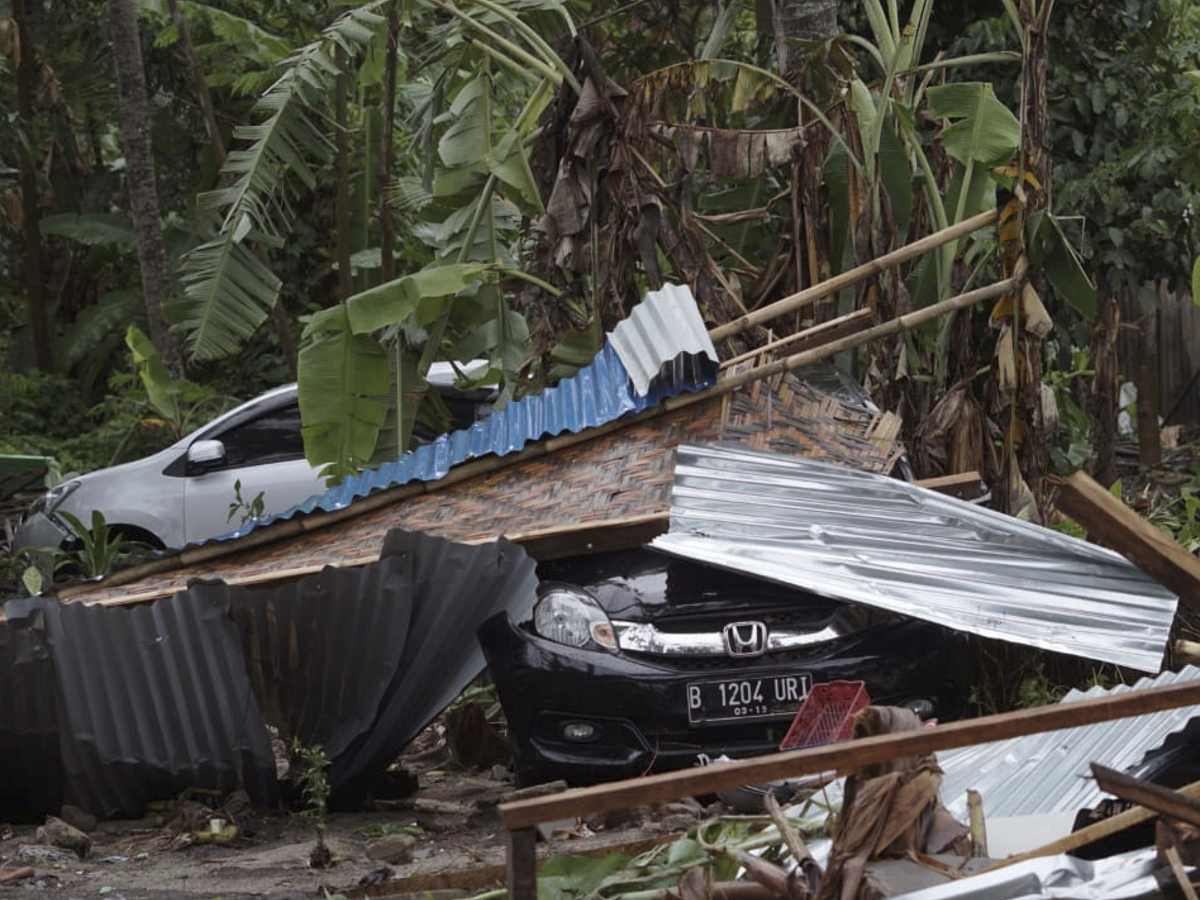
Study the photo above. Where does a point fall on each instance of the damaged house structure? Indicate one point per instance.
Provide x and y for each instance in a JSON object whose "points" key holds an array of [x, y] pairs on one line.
{"points": [[350, 621]]}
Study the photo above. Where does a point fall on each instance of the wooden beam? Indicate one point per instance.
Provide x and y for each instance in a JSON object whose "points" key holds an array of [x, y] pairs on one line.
{"points": [[853, 276], [844, 757], [1115, 525], [1152, 796], [964, 485]]}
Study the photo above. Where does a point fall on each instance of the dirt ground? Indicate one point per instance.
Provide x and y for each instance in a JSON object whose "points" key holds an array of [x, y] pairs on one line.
{"points": [[443, 841]]}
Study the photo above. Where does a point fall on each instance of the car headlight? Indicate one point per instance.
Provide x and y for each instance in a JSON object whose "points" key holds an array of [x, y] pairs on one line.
{"points": [[53, 498], [567, 615]]}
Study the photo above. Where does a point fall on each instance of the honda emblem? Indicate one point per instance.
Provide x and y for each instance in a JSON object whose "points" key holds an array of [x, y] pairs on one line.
{"points": [[745, 638]]}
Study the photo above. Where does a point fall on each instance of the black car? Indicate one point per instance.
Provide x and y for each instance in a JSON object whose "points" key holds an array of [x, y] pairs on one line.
{"points": [[635, 661]]}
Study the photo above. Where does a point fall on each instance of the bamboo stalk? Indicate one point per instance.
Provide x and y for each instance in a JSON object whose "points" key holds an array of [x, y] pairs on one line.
{"points": [[853, 276]]}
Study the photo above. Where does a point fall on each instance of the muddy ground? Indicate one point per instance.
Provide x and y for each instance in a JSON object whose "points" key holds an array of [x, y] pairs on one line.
{"points": [[445, 838]]}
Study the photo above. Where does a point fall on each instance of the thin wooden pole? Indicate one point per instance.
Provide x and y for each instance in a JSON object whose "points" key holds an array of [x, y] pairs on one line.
{"points": [[853, 276]]}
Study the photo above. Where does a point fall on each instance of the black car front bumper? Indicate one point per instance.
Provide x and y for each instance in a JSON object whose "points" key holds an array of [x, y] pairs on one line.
{"points": [[630, 716]]}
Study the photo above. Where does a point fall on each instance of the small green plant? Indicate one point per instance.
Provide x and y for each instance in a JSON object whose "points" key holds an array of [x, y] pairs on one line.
{"points": [[250, 511], [312, 768], [100, 550]]}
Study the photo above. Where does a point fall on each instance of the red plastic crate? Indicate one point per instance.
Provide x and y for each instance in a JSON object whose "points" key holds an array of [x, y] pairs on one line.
{"points": [[826, 715]]}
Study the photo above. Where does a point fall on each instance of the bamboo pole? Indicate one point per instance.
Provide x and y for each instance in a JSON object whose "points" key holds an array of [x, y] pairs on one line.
{"points": [[853, 276]]}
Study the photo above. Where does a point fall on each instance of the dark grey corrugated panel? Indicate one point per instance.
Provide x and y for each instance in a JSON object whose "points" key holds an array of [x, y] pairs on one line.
{"points": [[31, 777], [882, 542], [456, 588], [321, 651], [153, 699]]}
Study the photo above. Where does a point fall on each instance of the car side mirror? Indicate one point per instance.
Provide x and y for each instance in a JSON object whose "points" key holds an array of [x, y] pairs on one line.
{"points": [[205, 455]]}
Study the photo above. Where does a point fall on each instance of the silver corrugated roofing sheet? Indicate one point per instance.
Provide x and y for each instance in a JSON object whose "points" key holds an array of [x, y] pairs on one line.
{"points": [[886, 543], [664, 327], [1048, 773], [1126, 876], [660, 351]]}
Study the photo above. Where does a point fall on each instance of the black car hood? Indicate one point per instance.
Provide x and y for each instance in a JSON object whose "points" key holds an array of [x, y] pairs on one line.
{"points": [[646, 585]]}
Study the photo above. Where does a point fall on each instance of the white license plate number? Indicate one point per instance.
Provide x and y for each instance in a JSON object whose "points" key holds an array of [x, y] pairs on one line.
{"points": [[739, 699]]}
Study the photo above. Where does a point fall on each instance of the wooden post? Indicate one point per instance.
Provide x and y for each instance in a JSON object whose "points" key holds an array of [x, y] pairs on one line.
{"points": [[521, 878]]}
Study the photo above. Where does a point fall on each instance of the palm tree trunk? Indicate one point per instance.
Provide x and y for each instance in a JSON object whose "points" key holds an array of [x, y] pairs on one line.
{"points": [[140, 179]]}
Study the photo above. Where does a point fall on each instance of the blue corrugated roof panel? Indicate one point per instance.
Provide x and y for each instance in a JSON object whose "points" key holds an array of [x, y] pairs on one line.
{"points": [[665, 343]]}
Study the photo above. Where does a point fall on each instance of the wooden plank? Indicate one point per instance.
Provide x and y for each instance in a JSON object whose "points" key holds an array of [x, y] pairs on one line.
{"points": [[844, 757], [964, 485], [874, 267], [1115, 525], [1152, 796], [521, 878]]}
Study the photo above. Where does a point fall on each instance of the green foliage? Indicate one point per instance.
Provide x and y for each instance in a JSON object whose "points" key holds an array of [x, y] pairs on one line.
{"points": [[247, 510], [1177, 513], [1071, 447], [100, 550], [1123, 123], [312, 777]]}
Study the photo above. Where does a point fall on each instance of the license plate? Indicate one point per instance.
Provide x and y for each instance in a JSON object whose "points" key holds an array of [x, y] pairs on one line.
{"points": [[739, 699]]}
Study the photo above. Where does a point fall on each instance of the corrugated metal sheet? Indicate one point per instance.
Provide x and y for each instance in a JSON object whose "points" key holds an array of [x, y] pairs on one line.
{"points": [[1125, 876], [322, 650], [664, 341], [1048, 773], [882, 542], [110, 707], [153, 699], [455, 589], [665, 327], [31, 777]]}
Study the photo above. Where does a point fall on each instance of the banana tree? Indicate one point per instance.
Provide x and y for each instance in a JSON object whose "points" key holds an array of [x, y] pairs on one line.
{"points": [[473, 107]]}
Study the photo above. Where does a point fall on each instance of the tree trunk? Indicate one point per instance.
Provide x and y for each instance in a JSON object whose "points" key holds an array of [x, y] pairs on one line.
{"points": [[198, 83], [342, 176], [1149, 438], [1033, 457], [387, 238], [1102, 410], [33, 272], [805, 20], [140, 179]]}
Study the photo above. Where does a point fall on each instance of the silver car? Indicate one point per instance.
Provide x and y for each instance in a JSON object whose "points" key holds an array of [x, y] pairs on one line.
{"points": [[182, 495]]}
